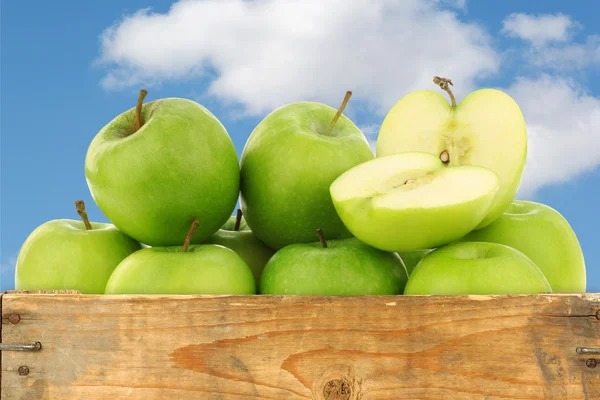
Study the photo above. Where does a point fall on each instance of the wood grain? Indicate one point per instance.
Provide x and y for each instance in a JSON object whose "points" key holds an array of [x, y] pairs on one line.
{"points": [[272, 347]]}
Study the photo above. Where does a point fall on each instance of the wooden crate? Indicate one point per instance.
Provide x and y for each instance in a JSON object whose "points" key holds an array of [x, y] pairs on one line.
{"points": [[288, 347]]}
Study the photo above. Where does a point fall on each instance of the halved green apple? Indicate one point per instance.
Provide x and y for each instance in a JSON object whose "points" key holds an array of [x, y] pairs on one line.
{"points": [[486, 129], [411, 201]]}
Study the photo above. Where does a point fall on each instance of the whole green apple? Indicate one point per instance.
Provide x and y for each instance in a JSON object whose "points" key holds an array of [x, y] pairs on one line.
{"points": [[412, 258], [66, 254], [287, 165], [331, 268], [545, 236], [154, 169], [230, 225], [486, 129], [411, 201], [254, 252], [464, 268], [187, 269]]}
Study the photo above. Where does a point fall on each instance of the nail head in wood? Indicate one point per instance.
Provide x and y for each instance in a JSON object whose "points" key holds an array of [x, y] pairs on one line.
{"points": [[23, 370], [591, 363], [14, 318]]}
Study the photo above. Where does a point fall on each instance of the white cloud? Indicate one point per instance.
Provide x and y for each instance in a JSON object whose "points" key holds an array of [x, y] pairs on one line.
{"points": [[567, 57], [266, 53], [538, 29], [371, 132], [563, 124]]}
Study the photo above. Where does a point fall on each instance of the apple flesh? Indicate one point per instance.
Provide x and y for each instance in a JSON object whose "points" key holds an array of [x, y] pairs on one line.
{"points": [[287, 166], [476, 268], [345, 267], [411, 201], [202, 269], [153, 181], [486, 129], [63, 255], [545, 236]]}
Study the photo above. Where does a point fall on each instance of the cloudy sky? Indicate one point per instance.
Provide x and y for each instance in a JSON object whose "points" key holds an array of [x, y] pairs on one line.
{"points": [[70, 67]]}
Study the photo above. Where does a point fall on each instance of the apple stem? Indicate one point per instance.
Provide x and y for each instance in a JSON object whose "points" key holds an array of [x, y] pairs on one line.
{"points": [[138, 109], [339, 112], [188, 238], [444, 83], [238, 220], [80, 207], [322, 238]]}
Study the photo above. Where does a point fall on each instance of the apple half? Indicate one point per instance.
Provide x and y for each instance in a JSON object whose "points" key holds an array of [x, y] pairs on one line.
{"points": [[486, 129], [411, 201]]}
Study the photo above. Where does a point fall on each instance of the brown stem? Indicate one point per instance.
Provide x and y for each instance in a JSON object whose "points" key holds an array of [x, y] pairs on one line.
{"points": [[138, 109], [322, 238], [188, 238], [444, 83], [339, 112], [80, 207], [238, 220]]}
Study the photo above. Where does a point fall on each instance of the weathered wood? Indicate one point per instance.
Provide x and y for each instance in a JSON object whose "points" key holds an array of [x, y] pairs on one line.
{"points": [[270, 347]]}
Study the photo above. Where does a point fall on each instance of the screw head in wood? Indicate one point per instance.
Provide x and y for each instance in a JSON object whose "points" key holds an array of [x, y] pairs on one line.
{"points": [[14, 318], [23, 370], [591, 363]]}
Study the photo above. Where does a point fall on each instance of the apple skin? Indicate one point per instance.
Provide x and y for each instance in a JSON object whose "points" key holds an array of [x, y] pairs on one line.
{"points": [[486, 128], [254, 252], [478, 268], [180, 166], [203, 269], [62, 255], [346, 267], [229, 225], [412, 258], [287, 166], [545, 236]]}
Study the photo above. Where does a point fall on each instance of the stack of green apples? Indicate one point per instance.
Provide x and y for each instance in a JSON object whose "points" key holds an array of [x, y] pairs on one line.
{"points": [[433, 212]]}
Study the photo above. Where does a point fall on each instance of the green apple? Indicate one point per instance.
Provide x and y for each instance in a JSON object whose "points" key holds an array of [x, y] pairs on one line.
{"points": [[230, 225], [412, 258], [254, 252], [187, 269], [485, 129], [66, 254], [287, 165], [465, 268], [411, 201], [544, 235], [333, 268], [154, 169]]}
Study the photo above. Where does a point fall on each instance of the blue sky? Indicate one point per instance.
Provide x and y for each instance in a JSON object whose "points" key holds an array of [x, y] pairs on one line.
{"points": [[69, 67]]}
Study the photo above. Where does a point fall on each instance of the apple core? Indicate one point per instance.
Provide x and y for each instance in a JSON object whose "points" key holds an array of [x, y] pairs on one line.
{"points": [[486, 129]]}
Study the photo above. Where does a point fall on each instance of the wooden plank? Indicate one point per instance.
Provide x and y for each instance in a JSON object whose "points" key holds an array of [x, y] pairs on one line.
{"points": [[272, 347]]}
